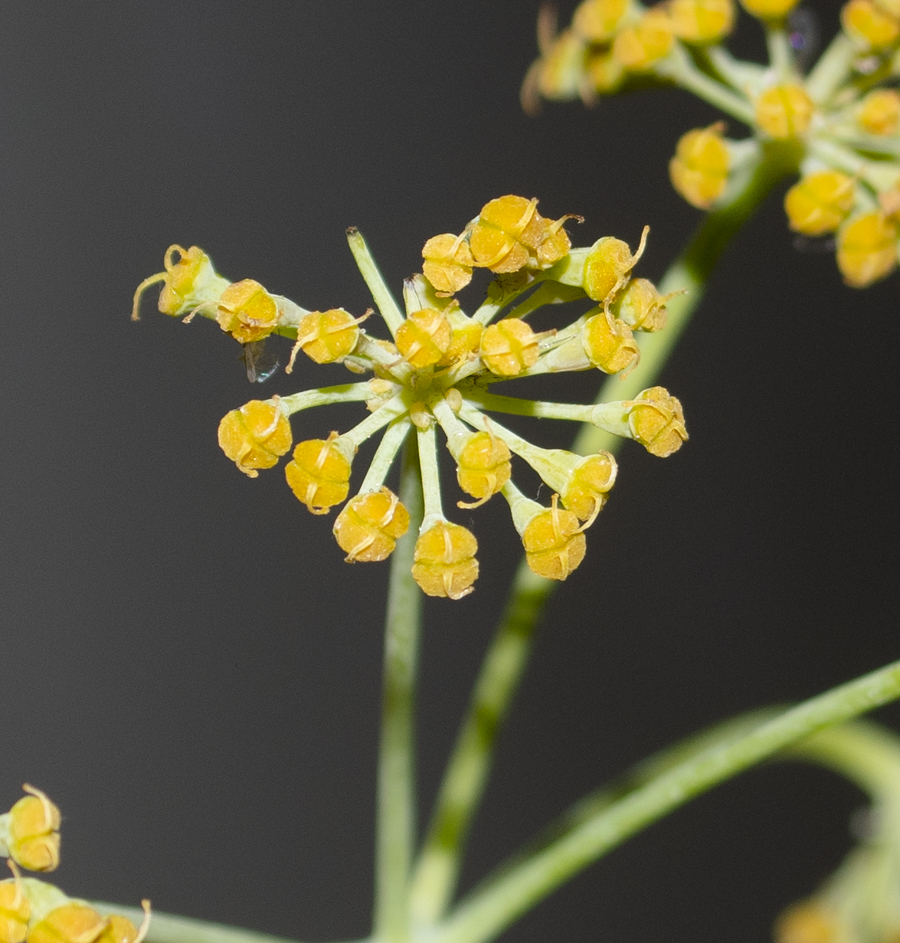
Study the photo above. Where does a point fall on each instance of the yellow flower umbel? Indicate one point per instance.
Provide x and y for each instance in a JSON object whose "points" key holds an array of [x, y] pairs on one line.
{"points": [[436, 374], [836, 127]]}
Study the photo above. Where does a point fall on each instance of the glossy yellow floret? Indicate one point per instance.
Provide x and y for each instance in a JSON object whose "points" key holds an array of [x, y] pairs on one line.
{"points": [[867, 248], [870, 24], [641, 306], [596, 21], [609, 343], [319, 474], [699, 169], [247, 311], [879, 112], [589, 483], [444, 563], [558, 74], [188, 282], [656, 420], [808, 922], [465, 337], [505, 234], [448, 263], [15, 911], [701, 21], [639, 47], [769, 9], [608, 266], [71, 923], [819, 202], [483, 465], [554, 543], [34, 832], [509, 347], [784, 111], [255, 436], [326, 336], [369, 525], [424, 337]]}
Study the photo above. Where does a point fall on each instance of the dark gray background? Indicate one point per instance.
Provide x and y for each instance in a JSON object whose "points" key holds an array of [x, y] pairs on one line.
{"points": [[188, 667]]}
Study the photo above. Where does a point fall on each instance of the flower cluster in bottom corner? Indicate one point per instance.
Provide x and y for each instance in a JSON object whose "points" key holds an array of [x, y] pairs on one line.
{"points": [[436, 373], [34, 911]]}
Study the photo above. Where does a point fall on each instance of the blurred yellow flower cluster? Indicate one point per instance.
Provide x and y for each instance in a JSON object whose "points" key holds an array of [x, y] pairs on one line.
{"points": [[437, 371], [33, 911], [837, 126]]}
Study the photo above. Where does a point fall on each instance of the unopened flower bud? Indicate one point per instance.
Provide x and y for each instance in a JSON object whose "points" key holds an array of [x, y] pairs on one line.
{"points": [[819, 202], [445, 563], [424, 337], [465, 337], [604, 70], [369, 526], [596, 21], [769, 9], [247, 311], [699, 169], [656, 420], [15, 911], [509, 347], [255, 436], [507, 230], [873, 27], [641, 306], [879, 112], [639, 47], [867, 248], [558, 74], [483, 463], [70, 923], [553, 539], [784, 111], [326, 336], [701, 21], [582, 481], [555, 242], [608, 265], [319, 473], [448, 263], [609, 343], [32, 838], [188, 283]]}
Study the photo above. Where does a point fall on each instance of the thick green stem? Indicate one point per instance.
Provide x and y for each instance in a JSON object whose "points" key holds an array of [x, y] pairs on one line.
{"points": [[469, 766], [396, 816], [498, 902]]}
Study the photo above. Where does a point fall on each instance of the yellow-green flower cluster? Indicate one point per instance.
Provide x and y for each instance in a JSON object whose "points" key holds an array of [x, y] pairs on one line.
{"points": [[436, 372], [33, 911], [837, 126]]}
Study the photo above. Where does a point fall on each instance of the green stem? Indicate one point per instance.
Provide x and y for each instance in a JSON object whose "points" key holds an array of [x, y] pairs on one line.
{"points": [[498, 902], [470, 763], [680, 69], [396, 818], [781, 55], [372, 276], [835, 66]]}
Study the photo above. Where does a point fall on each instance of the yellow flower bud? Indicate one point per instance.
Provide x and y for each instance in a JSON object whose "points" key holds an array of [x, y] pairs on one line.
{"points": [[33, 841], [604, 71], [326, 336], [247, 311], [319, 474], [589, 482], [656, 420], [119, 930], [15, 911], [699, 169], [483, 465], [558, 73], [879, 112], [509, 347], [867, 248], [609, 343], [872, 26], [638, 48], [255, 436], [554, 543], [555, 242], [608, 265], [448, 263], [769, 9], [369, 526], [465, 337], [819, 202], [71, 923], [505, 233], [784, 111], [807, 922], [424, 337], [596, 21], [187, 283], [701, 21], [641, 306], [445, 563]]}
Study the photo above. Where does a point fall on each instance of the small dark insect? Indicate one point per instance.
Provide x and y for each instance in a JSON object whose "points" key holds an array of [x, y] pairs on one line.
{"points": [[260, 365]]}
